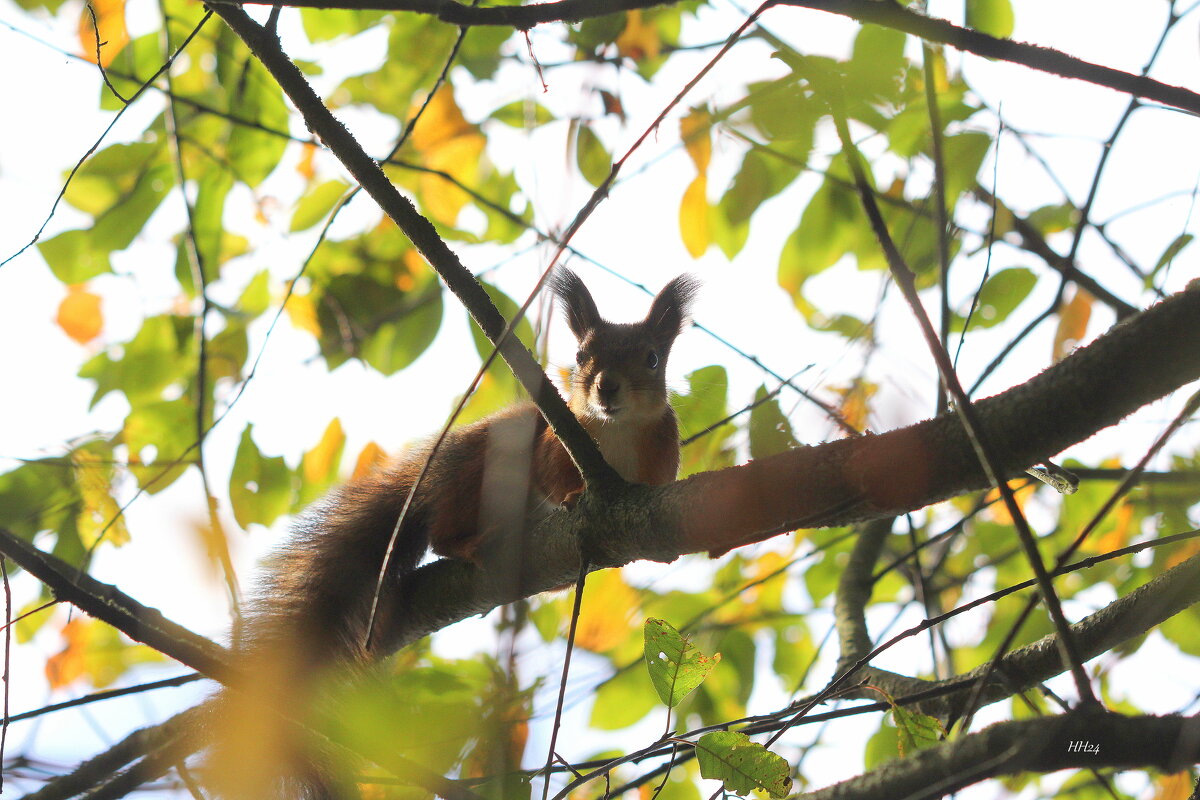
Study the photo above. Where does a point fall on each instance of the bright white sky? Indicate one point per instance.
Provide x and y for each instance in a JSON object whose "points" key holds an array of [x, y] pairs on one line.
{"points": [[51, 121]]}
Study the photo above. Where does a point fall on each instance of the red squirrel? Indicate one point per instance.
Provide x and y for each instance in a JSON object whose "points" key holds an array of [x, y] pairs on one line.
{"points": [[317, 595], [486, 482]]}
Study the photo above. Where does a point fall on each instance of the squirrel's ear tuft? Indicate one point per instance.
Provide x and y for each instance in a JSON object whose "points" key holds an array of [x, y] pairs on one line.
{"points": [[669, 313], [580, 308]]}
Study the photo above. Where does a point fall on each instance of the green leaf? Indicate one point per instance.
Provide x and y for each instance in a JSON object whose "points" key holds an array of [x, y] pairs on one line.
{"points": [[827, 228], [207, 227], [256, 297], [704, 405], [742, 765], [770, 431], [1003, 292], [882, 747], [508, 308], [621, 701], [594, 162], [761, 176], [1173, 249], [38, 496], [158, 434], [140, 60], [917, 731], [73, 256], [1054, 218], [158, 356], [257, 98], [316, 203], [877, 64], [993, 17], [322, 25], [260, 488], [676, 666], [522, 114], [384, 326], [963, 156]]}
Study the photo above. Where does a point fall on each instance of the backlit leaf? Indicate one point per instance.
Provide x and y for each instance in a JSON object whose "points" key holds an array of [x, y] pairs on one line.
{"points": [[1073, 320], [639, 40], [742, 765], [693, 217], [695, 130], [79, 314], [994, 17], [594, 161], [260, 488], [676, 665], [107, 28]]}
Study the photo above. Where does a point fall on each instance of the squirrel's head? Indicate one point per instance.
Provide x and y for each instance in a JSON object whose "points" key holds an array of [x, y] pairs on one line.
{"points": [[620, 371]]}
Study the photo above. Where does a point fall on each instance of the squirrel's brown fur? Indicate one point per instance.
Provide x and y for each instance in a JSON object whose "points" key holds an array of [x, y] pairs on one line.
{"points": [[485, 482]]}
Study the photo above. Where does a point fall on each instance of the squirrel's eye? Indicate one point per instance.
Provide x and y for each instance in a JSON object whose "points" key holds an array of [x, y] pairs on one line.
{"points": [[651, 360], [580, 357]]}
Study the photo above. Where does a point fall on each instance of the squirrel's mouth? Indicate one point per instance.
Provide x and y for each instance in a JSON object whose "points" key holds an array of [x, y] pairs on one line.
{"points": [[607, 410]]}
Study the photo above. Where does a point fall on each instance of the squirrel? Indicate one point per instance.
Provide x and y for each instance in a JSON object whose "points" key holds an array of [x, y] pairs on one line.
{"points": [[485, 482]]}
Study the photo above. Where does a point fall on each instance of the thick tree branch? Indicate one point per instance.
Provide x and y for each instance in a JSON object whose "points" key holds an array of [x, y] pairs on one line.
{"points": [[1046, 744], [842, 482], [104, 601], [892, 15]]}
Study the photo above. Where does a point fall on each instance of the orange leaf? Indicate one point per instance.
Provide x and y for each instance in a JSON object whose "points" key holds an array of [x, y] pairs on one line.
{"points": [[695, 130], [1072, 324], [608, 608], [79, 314], [303, 313], [371, 456], [638, 40], [305, 167], [441, 122], [67, 665], [107, 28], [999, 511], [855, 407], [693, 217], [319, 462], [1173, 787]]}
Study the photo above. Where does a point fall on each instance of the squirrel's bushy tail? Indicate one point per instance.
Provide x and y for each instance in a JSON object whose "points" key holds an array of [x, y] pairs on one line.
{"points": [[306, 630]]}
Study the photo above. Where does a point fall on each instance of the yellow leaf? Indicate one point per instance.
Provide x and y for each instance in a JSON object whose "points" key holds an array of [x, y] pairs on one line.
{"points": [[638, 40], [1182, 552], [1173, 787], [79, 314], [1116, 532], [1072, 324], [415, 266], [459, 157], [305, 167], [108, 28], [609, 604], [693, 217], [998, 511], [695, 130], [855, 407], [303, 313], [371, 456], [67, 665], [441, 122], [99, 513], [319, 462]]}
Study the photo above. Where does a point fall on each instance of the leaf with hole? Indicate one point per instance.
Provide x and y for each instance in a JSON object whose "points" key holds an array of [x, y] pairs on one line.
{"points": [[676, 665]]}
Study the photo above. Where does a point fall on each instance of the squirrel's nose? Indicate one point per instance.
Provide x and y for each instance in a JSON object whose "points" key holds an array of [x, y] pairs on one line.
{"points": [[607, 388]]}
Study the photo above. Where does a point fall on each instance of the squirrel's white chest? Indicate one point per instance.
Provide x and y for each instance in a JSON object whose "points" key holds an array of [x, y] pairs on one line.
{"points": [[619, 445]]}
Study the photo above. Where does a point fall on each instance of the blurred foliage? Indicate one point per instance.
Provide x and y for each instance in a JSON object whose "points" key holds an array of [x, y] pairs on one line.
{"points": [[366, 296]]}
